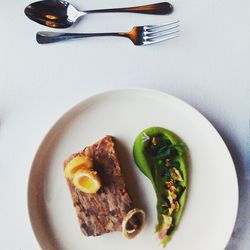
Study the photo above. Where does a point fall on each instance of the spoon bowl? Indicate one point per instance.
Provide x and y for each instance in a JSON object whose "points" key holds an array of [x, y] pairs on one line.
{"points": [[55, 14], [61, 14]]}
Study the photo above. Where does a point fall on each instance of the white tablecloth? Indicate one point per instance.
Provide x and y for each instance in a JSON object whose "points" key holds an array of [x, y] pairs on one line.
{"points": [[208, 66]]}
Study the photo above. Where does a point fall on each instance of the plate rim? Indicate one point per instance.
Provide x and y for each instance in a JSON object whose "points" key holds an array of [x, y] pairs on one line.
{"points": [[149, 91]]}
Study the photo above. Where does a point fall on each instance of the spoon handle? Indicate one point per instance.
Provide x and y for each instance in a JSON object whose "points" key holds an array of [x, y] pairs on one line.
{"points": [[156, 9]]}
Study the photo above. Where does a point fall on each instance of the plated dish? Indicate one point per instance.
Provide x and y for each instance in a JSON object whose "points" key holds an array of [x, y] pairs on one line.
{"points": [[162, 156], [210, 211], [98, 191]]}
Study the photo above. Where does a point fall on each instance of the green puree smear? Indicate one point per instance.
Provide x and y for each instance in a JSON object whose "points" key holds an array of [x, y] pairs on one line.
{"points": [[162, 157]]}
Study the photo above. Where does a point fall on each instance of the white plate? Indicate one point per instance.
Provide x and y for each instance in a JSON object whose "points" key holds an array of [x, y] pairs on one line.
{"points": [[210, 213]]}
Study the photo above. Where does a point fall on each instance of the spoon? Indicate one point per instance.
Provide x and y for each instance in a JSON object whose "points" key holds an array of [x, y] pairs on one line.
{"points": [[61, 14]]}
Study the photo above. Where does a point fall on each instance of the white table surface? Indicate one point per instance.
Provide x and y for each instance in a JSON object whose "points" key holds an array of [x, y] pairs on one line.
{"points": [[207, 66]]}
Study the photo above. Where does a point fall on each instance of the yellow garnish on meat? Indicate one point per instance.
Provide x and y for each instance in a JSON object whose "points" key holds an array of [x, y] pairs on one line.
{"points": [[80, 171], [77, 163], [87, 181]]}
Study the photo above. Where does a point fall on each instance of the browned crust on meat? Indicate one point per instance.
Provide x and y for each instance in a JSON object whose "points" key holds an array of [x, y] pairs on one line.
{"points": [[103, 211]]}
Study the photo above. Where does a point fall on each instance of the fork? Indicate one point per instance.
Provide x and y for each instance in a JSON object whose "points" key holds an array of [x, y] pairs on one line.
{"points": [[139, 35]]}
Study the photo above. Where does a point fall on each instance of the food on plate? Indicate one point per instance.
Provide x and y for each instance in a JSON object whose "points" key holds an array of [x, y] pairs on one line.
{"points": [[79, 169], [133, 222], [76, 162], [162, 157], [87, 181], [98, 191]]}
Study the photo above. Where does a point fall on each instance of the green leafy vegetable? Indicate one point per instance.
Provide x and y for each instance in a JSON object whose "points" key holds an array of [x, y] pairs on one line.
{"points": [[162, 157]]}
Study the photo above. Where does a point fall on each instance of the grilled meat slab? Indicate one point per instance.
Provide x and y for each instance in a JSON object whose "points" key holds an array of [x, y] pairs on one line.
{"points": [[102, 212]]}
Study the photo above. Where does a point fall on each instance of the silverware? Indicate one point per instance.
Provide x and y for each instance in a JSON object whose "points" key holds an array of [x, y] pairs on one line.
{"points": [[139, 35], [61, 14]]}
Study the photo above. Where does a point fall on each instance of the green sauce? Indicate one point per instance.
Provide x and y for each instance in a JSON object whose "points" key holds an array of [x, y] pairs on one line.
{"points": [[162, 157]]}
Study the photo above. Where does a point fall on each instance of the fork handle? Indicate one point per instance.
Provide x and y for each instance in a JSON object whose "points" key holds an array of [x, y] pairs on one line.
{"points": [[162, 8], [44, 37]]}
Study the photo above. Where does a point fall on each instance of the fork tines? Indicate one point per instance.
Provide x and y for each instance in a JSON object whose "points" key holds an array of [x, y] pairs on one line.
{"points": [[159, 33]]}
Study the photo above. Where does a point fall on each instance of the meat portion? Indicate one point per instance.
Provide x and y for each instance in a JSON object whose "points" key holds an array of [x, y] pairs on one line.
{"points": [[102, 212]]}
